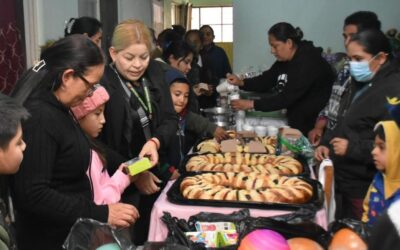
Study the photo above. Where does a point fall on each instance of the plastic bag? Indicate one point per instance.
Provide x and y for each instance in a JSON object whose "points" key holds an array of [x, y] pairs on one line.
{"points": [[298, 146], [178, 227], [92, 234], [163, 246], [361, 228]]}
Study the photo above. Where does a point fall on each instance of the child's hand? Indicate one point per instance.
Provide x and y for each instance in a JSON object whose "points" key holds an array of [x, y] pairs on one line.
{"points": [[122, 215], [147, 182], [123, 167], [175, 175], [220, 134]]}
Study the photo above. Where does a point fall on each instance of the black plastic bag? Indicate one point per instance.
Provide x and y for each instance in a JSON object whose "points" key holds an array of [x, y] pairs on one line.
{"points": [[178, 227], [359, 227], [163, 246], [91, 234]]}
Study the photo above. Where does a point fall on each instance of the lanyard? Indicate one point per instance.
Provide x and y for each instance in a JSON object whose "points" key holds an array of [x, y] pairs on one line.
{"points": [[146, 106], [146, 93]]}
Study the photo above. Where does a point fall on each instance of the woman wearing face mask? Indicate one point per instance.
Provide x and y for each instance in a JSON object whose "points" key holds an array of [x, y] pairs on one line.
{"points": [[141, 118], [300, 79], [375, 78]]}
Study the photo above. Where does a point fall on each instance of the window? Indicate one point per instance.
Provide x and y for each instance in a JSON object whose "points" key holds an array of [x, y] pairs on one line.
{"points": [[219, 18]]}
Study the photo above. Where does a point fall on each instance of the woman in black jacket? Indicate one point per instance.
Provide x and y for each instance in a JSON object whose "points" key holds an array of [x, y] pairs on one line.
{"points": [[140, 116], [375, 78], [51, 190], [300, 79]]}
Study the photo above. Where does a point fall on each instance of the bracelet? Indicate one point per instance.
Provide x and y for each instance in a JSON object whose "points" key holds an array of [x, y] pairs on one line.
{"points": [[171, 169], [155, 142]]}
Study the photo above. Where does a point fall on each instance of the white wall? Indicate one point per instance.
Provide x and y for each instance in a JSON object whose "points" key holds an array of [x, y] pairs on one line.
{"points": [[320, 20], [136, 9], [52, 15]]}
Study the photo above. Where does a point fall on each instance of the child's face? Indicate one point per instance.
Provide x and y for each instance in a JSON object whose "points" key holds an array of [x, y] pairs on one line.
{"points": [[93, 122], [180, 95], [379, 154], [11, 156]]}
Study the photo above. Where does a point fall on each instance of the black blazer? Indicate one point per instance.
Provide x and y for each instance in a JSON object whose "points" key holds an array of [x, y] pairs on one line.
{"points": [[123, 131]]}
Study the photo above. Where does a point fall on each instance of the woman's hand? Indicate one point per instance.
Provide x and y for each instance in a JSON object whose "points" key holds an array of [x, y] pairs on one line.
{"points": [[147, 183], [315, 136], [150, 149], [234, 79], [321, 153], [122, 215], [339, 146], [220, 134], [210, 90], [242, 104]]}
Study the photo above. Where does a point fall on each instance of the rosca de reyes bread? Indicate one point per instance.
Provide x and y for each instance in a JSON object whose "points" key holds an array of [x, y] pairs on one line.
{"points": [[212, 146], [245, 162], [246, 187]]}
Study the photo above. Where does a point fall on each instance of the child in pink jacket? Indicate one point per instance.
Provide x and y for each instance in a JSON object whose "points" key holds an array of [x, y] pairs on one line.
{"points": [[90, 115]]}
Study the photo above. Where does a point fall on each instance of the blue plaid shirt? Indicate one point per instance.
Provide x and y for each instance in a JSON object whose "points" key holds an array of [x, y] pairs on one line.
{"points": [[341, 84]]}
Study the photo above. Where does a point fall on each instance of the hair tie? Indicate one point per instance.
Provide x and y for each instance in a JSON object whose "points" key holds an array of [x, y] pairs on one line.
{"points": [[39, 65], [69, 25]]}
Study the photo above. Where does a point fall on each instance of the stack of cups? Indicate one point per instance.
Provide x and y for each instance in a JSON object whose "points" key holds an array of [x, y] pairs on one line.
{"points": [[272, 130], [240, 116]]}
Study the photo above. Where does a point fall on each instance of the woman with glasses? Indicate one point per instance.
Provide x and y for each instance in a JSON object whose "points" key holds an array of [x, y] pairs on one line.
{"points": [[51, 190], [141, 118], [375, 77]]}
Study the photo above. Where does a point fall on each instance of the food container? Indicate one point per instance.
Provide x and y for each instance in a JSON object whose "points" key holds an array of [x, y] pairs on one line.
{"points": [[174, 195], [219, 115], [305, 169]]}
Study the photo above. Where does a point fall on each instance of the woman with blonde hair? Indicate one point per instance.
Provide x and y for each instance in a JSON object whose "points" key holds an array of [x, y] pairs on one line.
{"points": [[141, 116]]}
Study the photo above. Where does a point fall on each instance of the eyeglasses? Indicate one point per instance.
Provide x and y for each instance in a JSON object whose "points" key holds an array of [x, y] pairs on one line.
{"points": [[90, 88]]}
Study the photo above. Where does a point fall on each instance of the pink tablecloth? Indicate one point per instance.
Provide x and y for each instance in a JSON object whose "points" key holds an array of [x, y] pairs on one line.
{"points": [[158, 231]]}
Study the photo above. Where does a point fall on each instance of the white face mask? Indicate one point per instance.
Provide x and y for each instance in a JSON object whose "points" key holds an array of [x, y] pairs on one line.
{"points": [[361, 71]]}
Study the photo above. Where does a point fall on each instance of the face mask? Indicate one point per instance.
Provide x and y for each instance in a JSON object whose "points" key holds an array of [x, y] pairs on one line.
{"points": [[360, 71]]}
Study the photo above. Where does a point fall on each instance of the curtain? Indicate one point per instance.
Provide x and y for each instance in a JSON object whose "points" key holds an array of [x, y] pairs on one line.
{"points": [[189, 16], [12, 58]]}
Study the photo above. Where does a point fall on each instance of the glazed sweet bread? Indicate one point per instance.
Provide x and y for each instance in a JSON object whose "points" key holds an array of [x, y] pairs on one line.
{"points": [[212, 146], [246, 187], [239, 162]]}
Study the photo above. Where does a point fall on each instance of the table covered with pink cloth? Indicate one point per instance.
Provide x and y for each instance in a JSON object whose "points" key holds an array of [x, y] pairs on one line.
{"points": [[158, 231]]}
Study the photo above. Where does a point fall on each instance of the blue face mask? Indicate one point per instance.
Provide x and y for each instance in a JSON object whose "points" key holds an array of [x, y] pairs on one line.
{"points": [[360, 71]]}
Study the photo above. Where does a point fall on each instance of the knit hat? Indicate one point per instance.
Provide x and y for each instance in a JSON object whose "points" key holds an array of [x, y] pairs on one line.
{"points": [[394, 109], [99, 97], [173, 75]]}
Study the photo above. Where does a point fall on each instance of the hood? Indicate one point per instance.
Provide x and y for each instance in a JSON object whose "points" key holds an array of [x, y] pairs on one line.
{"points": [[392, 172], [308, 48]]}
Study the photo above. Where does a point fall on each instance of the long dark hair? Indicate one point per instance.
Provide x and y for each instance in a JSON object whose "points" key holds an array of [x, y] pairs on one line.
{"points": [[89, 25], [284, 31], [178, 49], [75, 52], [373, 41]]}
